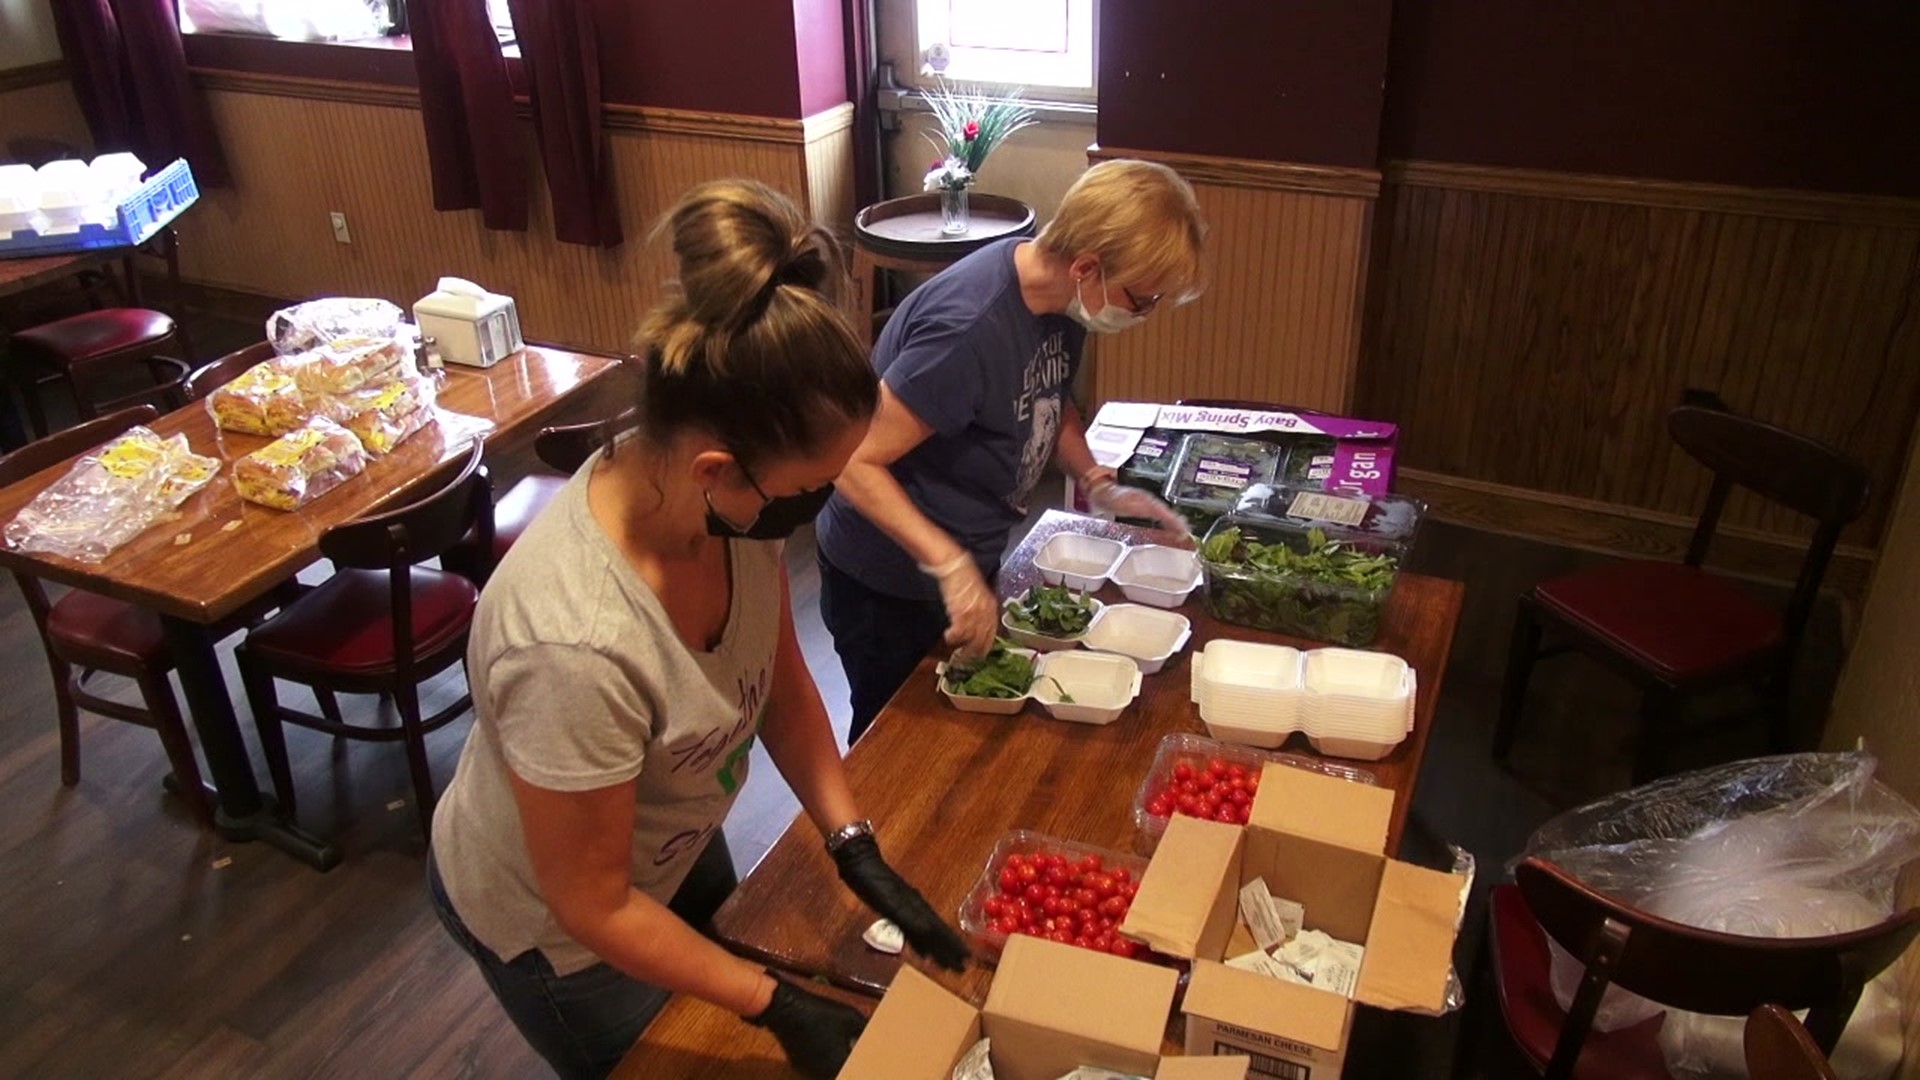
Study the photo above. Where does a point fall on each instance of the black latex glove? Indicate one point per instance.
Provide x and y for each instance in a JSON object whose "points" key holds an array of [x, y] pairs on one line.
{"points": [[816, 1033], [887, 893]]}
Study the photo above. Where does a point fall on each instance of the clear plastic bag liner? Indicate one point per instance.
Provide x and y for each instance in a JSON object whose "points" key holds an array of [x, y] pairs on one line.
{"points": [[1791, 846], [308, 326], [110, 496]]}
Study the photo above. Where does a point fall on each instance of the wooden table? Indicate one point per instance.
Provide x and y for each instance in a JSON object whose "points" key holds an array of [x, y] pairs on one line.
{"points": [[942, 786], [904, 234], [19, 275], [235, 551]]}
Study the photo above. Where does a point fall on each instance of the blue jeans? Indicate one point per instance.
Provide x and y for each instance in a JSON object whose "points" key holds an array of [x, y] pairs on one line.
{"points": [[584, 1023], [880, 639]]}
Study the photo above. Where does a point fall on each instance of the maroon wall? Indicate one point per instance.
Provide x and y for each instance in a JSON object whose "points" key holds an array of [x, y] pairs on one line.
{"points": [[820, 40], [1787, 93], [730, 56], [1266, 80]]}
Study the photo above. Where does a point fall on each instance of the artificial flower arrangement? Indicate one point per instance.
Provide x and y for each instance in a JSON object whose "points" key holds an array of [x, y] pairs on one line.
{"points": [[972, 123]]}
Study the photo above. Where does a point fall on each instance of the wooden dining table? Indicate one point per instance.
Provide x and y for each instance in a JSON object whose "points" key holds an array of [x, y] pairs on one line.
{"points": [[942, 786], [217, 553]]}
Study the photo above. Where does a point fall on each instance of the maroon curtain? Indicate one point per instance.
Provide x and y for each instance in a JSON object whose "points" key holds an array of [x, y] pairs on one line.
{"points": [[867, 179], [466, 103], [129, 72], [560, 48]]}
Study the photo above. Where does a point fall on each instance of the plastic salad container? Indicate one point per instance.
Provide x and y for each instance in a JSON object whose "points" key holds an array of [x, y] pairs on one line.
{"points": [[1152, 460], [1196, 752], [974, 923], [1308, 563], [1309, 462], [1212, 472]]}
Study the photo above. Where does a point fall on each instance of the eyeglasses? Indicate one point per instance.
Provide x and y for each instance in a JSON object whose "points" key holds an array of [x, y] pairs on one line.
{"points": [[1139, 305]]}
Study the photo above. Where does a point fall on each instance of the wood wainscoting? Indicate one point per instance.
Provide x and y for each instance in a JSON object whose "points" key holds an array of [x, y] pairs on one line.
{"points": [[1280, 320], [1529, 331], [301, 148]]}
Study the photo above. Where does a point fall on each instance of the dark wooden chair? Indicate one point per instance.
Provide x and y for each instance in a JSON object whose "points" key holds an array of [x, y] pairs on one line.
{"points": [[85, 633], [83, 350], [561, 448], [1779, 1048], [1673, 628], [215, 374], [381, 625], [1678, 966]]}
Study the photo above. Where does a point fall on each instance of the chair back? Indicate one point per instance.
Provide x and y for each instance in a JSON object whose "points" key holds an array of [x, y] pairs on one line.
{"points": [[421, 530], [212, 376], [566, 447], [1784, 468], [50, 451], [1779, 1048], [1704, 971]]}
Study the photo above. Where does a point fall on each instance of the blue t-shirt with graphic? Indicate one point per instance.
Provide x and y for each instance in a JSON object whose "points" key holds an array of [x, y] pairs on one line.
{"points": [[991, 379]]}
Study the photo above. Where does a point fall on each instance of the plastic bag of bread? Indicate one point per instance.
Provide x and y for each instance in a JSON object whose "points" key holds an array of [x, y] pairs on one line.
{"points": [[110, 496], [300, 466], [384, 414], [308, 326], [346, 364], [264, 400]]}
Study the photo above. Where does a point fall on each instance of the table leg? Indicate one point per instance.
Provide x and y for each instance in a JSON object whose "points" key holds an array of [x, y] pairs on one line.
{"points": [[242, 813]]}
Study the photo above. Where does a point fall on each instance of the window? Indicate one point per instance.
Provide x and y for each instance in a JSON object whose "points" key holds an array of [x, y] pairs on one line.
{"points": [[315, 20], [1045, 45]]}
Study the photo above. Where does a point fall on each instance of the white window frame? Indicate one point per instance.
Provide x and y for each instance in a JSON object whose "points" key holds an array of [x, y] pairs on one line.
{"points": [[906, 25]]}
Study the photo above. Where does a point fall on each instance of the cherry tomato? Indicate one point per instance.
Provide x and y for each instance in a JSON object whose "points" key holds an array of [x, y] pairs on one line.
{"points": [[1062, 936], [1028, 873], [1052, 890], [1055, 876], [1129, 889], [1204, 782], [1102, 886], [1183, 771], [1007, 924], [1101, 943], [1090, 864], [1217, 767], [1121, 875], [1236, 772], [1009, 879], [993, 907], [1068, 905], [1160, 807], [1122, 947], [1113, 907], [1239, 797], [1035, 894], [1015, 860], [1225, 812]]}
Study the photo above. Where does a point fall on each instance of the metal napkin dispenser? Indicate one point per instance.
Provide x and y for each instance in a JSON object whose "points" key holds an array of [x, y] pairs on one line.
{"points": [[465, 324]]}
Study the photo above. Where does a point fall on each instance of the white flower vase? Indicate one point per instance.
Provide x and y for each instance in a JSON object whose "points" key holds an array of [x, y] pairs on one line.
{"points": [[954, 218]]}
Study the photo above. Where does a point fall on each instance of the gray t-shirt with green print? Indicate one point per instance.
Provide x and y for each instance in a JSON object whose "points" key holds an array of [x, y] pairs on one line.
{"points": [[580, 682]]}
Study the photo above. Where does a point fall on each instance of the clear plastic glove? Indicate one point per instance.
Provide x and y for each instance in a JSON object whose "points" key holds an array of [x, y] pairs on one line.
{"points": [[816, 1033], [888, 894], [1114, 499], [973, 614]]}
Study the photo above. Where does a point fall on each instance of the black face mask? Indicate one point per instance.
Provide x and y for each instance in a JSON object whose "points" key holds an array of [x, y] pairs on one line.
{"points": [[778, 519]]}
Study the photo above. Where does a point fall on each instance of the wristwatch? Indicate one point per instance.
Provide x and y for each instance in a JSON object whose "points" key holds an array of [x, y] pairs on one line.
{"points": [[839, 837]]}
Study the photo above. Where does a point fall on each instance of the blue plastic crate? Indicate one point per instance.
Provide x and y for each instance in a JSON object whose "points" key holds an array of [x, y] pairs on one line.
{"points": [[142, 214]]}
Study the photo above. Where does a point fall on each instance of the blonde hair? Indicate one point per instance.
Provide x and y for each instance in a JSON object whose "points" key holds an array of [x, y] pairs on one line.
{"points": [[748, 342], [1140, 219]]}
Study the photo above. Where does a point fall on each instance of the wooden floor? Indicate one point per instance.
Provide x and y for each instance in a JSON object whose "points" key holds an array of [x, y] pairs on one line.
{"points": [[133, 944]]}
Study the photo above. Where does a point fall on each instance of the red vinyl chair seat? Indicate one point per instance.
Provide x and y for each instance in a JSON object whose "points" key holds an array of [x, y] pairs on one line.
{"points": [[345, 625], [94, 334], [1522, 968], [97, 631], [1674, 619], [517, 509]]}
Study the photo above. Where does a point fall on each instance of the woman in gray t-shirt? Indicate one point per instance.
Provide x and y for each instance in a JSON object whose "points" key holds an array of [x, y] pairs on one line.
{"points": [[638, 638]]}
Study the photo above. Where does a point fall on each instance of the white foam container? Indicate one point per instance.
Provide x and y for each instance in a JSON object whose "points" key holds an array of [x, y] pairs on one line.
{"points": [[1146, 635], [19, 197], [976, 704], [118, 174], [1102, 685], [1158, 575], [1082, 563], [1037, 641], [1349, 703]]}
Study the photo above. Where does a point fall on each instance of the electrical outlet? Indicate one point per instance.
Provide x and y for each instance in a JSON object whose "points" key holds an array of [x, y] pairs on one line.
{"points": [[340, 233]]}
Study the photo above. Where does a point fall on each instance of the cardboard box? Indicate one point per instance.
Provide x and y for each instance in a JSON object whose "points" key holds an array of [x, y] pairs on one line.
{"points": [[1052, 1008], [1318, 840], [1363, 449]]}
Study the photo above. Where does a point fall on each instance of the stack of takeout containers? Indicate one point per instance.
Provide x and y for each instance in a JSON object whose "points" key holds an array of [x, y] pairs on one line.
{"points": [[1349, 703]]}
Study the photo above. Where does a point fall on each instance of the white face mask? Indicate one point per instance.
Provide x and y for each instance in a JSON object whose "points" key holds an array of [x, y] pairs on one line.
{"points": [[1112, 318]]}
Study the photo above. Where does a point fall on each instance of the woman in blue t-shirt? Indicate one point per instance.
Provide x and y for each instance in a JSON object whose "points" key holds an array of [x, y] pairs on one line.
{"points": [[976, 369]]}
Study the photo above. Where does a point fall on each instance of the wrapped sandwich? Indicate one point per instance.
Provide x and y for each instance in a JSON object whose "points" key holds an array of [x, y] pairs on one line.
{"points": [[264, 400], [346, 364], [383, 414], [300, 466]]}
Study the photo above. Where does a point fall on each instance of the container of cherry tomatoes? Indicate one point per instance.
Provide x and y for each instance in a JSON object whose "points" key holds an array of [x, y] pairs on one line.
{"points": [[1076, 894], [1206, 778]]}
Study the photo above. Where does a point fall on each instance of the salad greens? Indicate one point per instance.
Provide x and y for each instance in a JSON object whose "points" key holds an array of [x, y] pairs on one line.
{"points": [[1053, 610], [1329, 591], [1002, 673]]}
